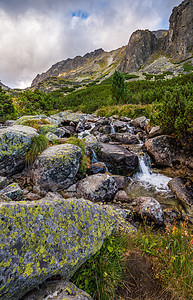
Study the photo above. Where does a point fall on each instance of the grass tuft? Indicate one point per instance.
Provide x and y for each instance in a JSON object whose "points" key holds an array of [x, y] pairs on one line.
{"points": [[38, 144]]}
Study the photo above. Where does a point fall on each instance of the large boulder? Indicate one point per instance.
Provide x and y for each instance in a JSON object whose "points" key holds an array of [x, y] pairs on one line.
{"points": [[183, 188], [56, 167], [97, 187], [41, 239], [119, 160], [163, 150], [15, 141]]}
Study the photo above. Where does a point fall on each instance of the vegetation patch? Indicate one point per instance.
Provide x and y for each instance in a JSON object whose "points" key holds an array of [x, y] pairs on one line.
{"points": [[39, 143]]}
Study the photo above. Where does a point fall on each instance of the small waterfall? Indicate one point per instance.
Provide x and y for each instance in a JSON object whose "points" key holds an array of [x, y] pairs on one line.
{"points": [[94, 158], [82, 134], [130, 129], [112, 128], [150, 179]]}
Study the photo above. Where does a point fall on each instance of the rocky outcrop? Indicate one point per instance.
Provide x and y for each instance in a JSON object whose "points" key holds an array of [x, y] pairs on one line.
{"points": [[124, 138], [56, 167], [42, 239], [183, 188], [179, 40], [98, 187], [15, 141], [141, 46], [119, 160], [57, 290]]}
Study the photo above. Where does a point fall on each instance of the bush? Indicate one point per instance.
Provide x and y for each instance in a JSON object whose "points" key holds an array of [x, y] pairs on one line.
{"points": [[6, 105], [119, 88]]}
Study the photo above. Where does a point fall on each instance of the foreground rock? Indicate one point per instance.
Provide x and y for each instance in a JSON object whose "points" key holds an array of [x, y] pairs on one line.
{"points": [[58, 290], [42, 239], [150, 208], [119, 160], [14, 144], [98, 187], [56, 167], [183, 188]]}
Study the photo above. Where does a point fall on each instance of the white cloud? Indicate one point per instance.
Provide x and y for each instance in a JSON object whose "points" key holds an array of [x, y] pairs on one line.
{"points": [[36, 34]]}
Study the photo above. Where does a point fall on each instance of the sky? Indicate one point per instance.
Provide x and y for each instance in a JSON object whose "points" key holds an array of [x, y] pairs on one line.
{"points": [[35, 34]]}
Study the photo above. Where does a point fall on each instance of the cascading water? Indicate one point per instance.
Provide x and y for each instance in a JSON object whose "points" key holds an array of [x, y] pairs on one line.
{"points": [[150, 179]]}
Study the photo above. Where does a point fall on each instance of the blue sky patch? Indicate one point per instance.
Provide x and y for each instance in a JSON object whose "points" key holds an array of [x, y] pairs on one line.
{"points": [[80, 14]]}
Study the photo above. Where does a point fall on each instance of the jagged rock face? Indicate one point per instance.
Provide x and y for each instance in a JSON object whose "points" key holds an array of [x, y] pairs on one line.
{"points": [[179, 41], [41, 239], [141, 46]]}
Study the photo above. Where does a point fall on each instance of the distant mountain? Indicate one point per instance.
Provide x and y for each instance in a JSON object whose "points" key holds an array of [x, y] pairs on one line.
{"points": [[4, 86], [143, 48]]}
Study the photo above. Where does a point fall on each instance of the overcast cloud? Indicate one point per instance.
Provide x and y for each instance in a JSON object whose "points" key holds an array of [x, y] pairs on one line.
{"points": [[38, 33]]}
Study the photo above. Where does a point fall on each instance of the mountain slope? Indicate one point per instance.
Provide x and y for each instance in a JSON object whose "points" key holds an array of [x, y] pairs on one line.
{"points": [[144, 47]]}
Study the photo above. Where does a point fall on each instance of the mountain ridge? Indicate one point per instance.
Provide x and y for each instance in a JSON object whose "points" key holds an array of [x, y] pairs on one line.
{"points": [[176, 43]]}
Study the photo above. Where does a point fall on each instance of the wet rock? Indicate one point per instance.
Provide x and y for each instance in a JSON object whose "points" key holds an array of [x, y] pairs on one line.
{"points": [[13, 191], [95, 168], [121, 181], [98, 187], [3, 182], [104, 138], [15, 141], [124, 138], [57, 290], [183, 189], [163, 150], [56, 167], [150, 208], [52, 237], [139, 122], [119, 161], [119, 126], [80, 126], [121, 196]]}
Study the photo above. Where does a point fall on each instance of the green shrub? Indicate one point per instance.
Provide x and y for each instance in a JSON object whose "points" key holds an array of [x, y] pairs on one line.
{"points": [[119, 88], [6, 105], [38, 144], [101, 274]]}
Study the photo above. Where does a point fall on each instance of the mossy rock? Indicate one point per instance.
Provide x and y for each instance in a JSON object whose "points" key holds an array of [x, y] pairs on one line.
{"points": [[47, 128], [56, 167], [14, 144], [45, 238]]}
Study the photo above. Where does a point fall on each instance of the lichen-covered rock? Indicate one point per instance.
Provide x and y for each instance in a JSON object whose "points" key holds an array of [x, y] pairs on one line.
{"points": [[56, 167], [13, 191], [150, 208], [47, 128], [91, 142], [23, 119], [14, 144], [42, 239], [98, 187], [119, 160], [57, 290], [183, 188]]}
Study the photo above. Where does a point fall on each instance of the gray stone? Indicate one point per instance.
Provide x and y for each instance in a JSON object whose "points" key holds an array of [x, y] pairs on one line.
{"points": [[91, 142], [150, 208], [155, 131], [121, 196], [121, 181], [58, 290], [183, 188], [13, 191], [139, 122], [56, 167], [98, 187], [119, 161], [3, 182], [15, 141], [41, 239], [124, 138]]}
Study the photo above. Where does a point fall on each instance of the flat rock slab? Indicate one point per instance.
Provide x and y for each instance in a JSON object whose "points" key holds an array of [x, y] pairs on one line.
{"points": [[45, 238], [56, 167], [119, 160], [125, 138], [58, 290], [14, 144], [183, 188]]}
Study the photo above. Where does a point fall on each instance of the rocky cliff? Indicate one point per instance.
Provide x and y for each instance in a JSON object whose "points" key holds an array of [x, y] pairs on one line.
{"points": [[143, 47]]}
